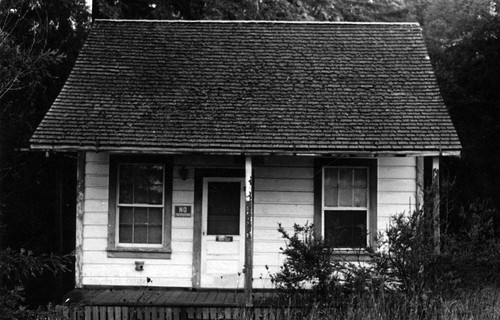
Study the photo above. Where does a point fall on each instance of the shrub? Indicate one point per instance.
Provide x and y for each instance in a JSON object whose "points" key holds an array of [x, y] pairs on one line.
{"points": [[15, 268], [309, 265], [405, 268], [405, 257]]}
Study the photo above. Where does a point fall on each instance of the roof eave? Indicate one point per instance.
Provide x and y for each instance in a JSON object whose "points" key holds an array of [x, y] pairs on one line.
{"points": [[253, 151]]}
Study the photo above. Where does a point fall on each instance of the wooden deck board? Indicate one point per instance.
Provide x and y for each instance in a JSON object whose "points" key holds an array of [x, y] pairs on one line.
{"points": [[166, 297], [201, 298]]}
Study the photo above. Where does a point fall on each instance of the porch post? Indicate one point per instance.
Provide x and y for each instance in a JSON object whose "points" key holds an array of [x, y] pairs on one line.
{"points": [[248, 231], [435, 207], [419, 205], [80, 198]]}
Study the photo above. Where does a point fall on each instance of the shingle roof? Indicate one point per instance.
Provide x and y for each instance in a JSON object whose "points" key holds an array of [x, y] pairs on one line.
{"points": [[252, 87]]}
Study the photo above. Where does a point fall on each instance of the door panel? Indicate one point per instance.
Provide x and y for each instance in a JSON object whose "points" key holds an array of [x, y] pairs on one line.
{"points": [[222, 240]]}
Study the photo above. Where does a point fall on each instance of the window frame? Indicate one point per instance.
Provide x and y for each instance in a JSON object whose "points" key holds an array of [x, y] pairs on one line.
{"points": [[371, 165], [131, 250], [325, 208]]}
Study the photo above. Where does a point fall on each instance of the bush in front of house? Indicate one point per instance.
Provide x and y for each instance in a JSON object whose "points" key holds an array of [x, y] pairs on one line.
{"points": [[15, 268], [310, 275], [405, 276]]}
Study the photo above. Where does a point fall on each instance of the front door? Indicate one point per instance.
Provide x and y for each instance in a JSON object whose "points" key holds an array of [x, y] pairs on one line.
{"points": [[222, 238]]}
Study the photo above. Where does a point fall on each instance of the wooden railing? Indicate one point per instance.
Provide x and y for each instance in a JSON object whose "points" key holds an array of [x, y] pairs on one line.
{"points": [[179, 313]]}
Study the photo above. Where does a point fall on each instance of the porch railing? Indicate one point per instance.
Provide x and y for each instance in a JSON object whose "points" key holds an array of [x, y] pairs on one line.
{"points": [[178, 313]]}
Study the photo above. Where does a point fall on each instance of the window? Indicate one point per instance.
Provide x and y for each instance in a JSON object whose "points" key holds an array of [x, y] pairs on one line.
{"points": [[139, 207], [346, 201], [345, 206], [140, 204]]}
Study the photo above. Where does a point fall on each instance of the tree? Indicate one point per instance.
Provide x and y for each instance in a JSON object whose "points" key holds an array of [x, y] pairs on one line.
{"points": [[322, 10], [39, 41], [463, 37]]}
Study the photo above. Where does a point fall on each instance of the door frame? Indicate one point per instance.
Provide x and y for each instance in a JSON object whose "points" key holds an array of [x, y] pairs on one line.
{"points": [[199, 175], [204, 220]]}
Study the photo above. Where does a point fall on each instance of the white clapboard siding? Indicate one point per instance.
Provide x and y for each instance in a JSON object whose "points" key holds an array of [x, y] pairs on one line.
{"points": [[182, 233], [268, 246], [296, 211], [98, 269], [179, 259], [95, 205], [128, 270], [182, 197], [140, 281], [283, 193], [396, 188]]}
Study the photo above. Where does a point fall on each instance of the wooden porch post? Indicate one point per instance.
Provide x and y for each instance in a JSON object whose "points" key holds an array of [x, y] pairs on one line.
{"points": [[435, 208], [248, 231], [419, 205], [80, 198]]}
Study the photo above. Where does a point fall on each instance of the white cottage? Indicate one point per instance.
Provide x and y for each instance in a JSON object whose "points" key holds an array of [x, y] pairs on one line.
{"points": [[197, 138]]}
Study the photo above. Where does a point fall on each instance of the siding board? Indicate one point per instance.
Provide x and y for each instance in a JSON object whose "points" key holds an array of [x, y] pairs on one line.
{"points": [[283, 194], [275, 197]]}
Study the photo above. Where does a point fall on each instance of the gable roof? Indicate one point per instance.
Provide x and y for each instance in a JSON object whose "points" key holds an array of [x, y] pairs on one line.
{"points": [[251, 87]]}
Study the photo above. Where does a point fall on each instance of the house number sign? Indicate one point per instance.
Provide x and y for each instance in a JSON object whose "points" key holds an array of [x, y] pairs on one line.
{"points": [[182, 211]]}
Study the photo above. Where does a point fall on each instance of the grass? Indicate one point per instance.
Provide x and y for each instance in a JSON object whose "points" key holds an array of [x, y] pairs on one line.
{"points": [[470, 304]]}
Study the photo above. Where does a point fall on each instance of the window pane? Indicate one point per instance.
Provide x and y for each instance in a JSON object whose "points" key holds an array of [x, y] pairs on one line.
{"points": [[126, 173], [223, 208], [345, 197], [155, 216], [345, 187], [331, 187], [346, 229], [125, 234], [155, 184], [155, 194], [140, 192], [140, 233], [126, 216], [360, 178], [126, 184], [360, 198], [154, 234], [126, 193], [332, 197], [345, 178], [140, 216]]}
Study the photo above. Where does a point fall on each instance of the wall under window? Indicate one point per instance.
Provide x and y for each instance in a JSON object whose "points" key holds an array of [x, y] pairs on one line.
{"points": [[283, 192]]}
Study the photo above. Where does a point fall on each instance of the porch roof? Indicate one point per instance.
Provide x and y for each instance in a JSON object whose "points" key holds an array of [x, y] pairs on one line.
{"points": [[251, 87]]}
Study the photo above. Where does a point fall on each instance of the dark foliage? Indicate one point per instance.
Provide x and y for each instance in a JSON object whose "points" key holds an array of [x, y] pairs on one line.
{"points": [[313, 273], [323, 10], [16, 267], [39, 41], [463, 38]]}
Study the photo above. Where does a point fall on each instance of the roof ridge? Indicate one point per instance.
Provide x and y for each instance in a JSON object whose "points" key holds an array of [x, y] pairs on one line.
{"points": [[258, 22]]}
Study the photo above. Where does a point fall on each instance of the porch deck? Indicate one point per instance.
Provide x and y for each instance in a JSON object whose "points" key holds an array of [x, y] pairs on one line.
{"points": [[175, 304], [168, 297]]}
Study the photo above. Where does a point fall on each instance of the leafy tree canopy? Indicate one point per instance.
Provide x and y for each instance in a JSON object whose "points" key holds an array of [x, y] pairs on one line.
{"points": [[39, 41], [463, 38], [322, 10]]}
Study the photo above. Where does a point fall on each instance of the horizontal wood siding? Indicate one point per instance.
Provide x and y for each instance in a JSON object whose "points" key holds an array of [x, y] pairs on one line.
{"points": [[98, 269], [397, 188], [283, 193]]}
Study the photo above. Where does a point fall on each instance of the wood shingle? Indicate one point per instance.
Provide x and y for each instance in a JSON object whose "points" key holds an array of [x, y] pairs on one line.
{"points": [[251, 87]]}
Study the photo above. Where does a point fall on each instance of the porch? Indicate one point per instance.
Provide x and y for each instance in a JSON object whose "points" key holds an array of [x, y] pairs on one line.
{"points": [[175, 304]]}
